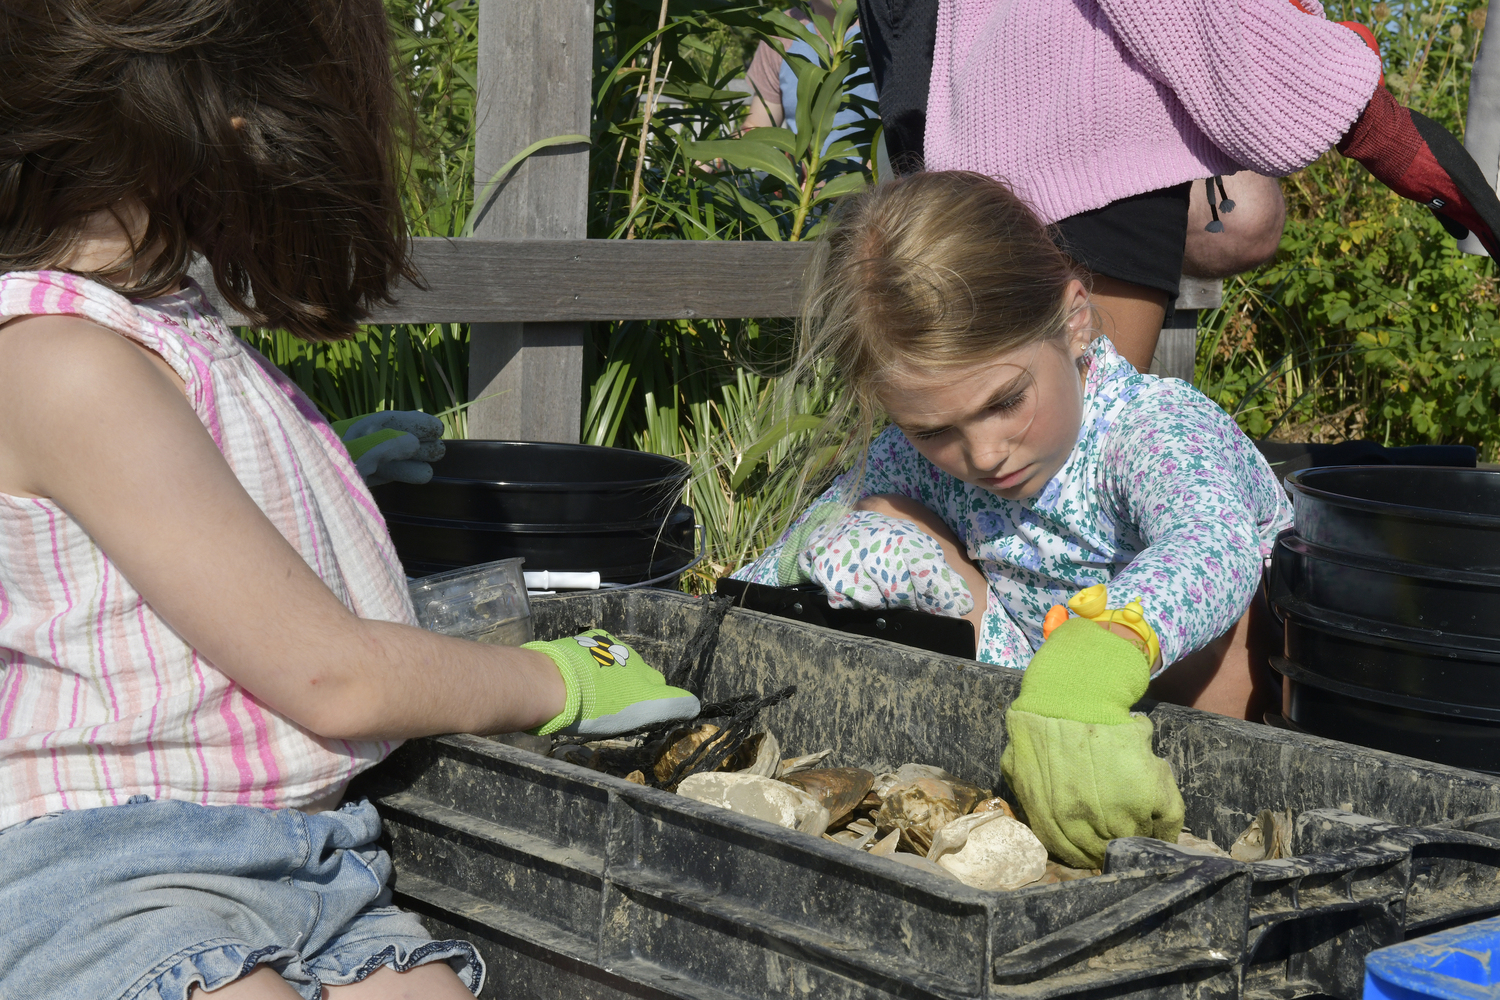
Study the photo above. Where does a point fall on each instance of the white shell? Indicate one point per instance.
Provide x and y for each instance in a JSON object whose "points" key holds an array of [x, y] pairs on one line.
{"points": [[767, 757], [990, 851], [1200, 845], [758, 796], [920, 863], [793, 765], [906, 774]]}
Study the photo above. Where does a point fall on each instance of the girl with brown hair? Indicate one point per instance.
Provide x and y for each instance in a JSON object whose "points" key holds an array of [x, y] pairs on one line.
{"points": [[1028, 466], [204, 630]]}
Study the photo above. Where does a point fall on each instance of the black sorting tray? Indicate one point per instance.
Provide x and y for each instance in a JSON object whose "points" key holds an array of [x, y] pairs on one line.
{"points": [[578, 884]]}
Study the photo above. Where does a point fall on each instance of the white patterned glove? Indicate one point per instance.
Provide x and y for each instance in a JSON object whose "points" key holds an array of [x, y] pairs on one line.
{"points": [[393, 445], [870, 560]]}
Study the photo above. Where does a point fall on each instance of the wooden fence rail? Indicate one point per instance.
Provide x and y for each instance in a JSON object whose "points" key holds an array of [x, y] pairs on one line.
{"points": [[580, 281]]}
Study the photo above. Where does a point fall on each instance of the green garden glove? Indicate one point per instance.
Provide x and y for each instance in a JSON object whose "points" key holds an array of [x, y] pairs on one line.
{"points": [[611, 689], [1079, 763], [393, 445]]}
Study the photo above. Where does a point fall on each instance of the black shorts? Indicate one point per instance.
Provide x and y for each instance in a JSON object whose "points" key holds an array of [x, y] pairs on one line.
{"points": [[1139, 239]]}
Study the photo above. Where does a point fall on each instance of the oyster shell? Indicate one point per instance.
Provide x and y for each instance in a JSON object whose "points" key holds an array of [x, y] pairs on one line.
{"points": [[995, 804], [908, 773], [886, 846], [583, 756], [1200, 845], [838, 789], [758, 796], [921, 808], [1267, 838], [680, 746], [759, 754], [921, 864], [805, 763], [989, 850], [857, 835]]}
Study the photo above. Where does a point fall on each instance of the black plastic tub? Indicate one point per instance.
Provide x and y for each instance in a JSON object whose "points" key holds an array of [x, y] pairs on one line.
{"points": [[621, 553], [574, 883], [563, 507], [1389, 586]]}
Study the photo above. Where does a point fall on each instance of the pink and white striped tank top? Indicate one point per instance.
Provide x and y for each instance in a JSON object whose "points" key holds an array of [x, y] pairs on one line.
{"points": [[99, 699]]}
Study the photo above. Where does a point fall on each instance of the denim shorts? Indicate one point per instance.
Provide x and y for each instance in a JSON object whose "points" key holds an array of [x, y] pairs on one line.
{"points": [[147, 900]]}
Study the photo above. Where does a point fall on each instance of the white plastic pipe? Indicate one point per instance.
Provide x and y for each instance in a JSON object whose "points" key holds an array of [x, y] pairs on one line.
{"points": [[545, 580]]}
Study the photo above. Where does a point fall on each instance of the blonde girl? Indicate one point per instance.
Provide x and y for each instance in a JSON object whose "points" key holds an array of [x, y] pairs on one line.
{"points": [[1025, 462]]}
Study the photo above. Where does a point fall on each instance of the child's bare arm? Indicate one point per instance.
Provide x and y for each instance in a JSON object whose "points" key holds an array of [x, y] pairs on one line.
{"points": [[92, 422]]}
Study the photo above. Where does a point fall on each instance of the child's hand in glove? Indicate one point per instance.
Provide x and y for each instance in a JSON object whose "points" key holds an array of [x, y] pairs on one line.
{"points": [[1079, 763], [870, 560], [610, 688], [393, 445]]}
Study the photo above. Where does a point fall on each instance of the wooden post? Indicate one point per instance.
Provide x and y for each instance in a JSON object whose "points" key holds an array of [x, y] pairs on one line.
{"points": [[1177, 348], [535, 76]]}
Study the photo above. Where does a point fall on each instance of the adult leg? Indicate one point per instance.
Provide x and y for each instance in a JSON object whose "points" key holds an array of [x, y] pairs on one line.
{"points": [[953, 550], [1133, 250], [1231, 675], [1130, 316], [1252, 232]]}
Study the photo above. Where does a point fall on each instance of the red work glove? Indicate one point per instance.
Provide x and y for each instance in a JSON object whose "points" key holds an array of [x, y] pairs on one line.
{"points": [[1417, 158]]}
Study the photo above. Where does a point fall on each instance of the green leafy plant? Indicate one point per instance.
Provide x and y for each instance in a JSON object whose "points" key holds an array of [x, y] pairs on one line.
{"points": [[797, 174], [702, 390], [408, 367]]}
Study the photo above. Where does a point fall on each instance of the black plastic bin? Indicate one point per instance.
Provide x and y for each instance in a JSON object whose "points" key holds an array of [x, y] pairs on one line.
{"points": [[562, 507], [1389, 587], [576, 884]]}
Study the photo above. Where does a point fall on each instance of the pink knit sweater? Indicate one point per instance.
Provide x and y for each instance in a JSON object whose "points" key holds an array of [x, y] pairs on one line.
{"points": [[1077, 103]]}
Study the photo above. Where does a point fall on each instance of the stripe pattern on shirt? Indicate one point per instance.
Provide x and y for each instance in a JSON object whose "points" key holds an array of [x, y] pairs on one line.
{"points": [[99, 698]]}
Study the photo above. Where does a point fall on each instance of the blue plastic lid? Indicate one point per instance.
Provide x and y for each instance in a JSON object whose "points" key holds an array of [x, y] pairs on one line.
{"points": [[1456, 964]]}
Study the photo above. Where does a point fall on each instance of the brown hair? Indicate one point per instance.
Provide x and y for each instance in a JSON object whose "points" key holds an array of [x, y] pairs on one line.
{"points": [[257, 132], [922, 275]]}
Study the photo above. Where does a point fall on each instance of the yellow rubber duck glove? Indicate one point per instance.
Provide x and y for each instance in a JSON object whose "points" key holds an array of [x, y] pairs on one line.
{"points": [[1078, 762], [1091, 603]]}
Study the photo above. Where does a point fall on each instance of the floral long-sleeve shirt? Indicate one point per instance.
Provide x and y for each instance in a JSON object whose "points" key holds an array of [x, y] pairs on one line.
{"points": [[1163, 498]]}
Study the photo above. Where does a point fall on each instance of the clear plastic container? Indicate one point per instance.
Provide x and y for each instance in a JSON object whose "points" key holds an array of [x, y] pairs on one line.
{"points": [[485, 603]]}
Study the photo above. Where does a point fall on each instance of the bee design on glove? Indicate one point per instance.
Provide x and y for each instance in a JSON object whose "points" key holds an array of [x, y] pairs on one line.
{"points": [[604, 655]]}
